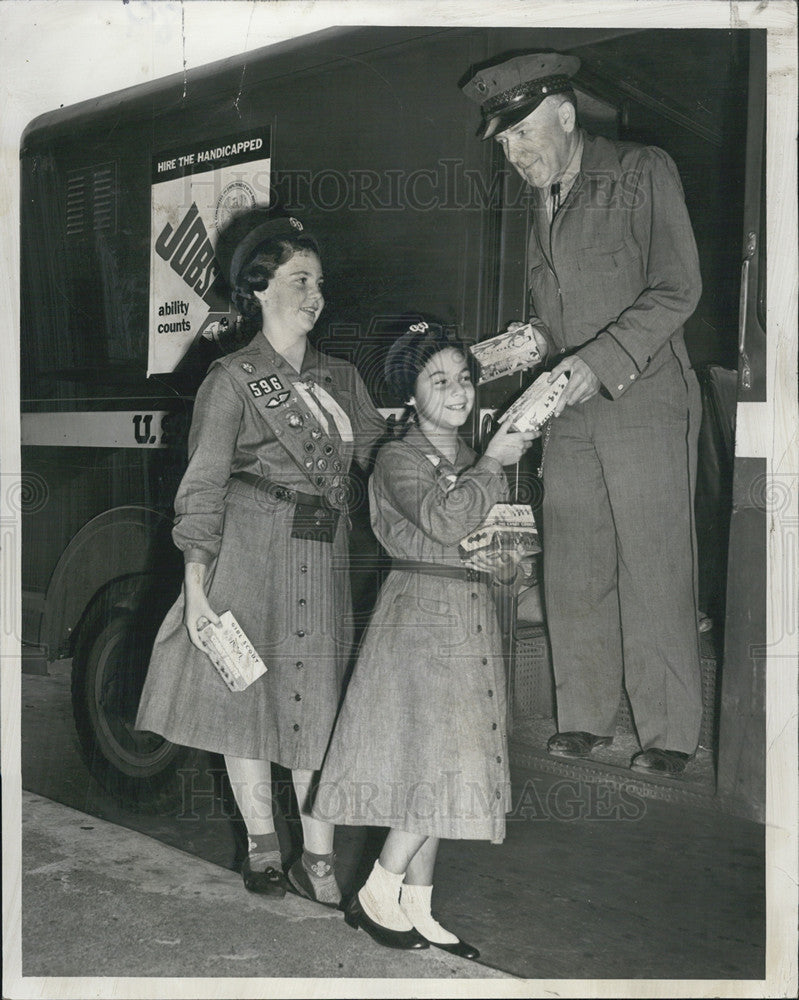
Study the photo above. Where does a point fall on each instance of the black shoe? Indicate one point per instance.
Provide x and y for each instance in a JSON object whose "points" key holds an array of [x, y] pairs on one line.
{"points": [[461, 949], [405, 940], [666, 763], [575, 744], [269, 882]]}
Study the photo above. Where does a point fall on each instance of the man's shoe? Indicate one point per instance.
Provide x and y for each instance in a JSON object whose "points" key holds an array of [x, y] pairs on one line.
{"points": [[405, 940], [576, 744], [666, 763], [269, 882]]}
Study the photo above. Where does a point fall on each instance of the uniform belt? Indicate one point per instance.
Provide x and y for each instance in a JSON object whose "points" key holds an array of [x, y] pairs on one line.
{"points": [[435, 569], [280, 492]]}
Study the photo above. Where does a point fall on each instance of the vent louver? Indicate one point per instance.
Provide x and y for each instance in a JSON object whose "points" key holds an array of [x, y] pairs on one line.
{"points": [[91, 199]]}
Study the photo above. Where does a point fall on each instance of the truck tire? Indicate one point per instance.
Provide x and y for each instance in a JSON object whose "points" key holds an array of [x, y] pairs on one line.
{"points": [[138, 769]]}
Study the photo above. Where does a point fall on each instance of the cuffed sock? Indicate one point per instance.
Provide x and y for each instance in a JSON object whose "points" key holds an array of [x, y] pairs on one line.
{"points": [[415, 904], [320, 869], [379, 898], [264, 851]]}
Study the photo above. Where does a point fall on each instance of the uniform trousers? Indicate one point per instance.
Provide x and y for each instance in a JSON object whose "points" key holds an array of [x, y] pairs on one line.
{"points": [[620, 559]]}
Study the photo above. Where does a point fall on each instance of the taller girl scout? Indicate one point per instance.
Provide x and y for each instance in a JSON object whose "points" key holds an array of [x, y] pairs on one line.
{"points": [[261, 519]]}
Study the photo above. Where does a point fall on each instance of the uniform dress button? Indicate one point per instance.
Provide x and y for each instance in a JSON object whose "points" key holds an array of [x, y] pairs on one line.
{"points": [[298, 697], [493, 725], [499, 794], [300, 664], [490, 693], [296, 727], [485, 660], [621, 387], [303, 569], [474, 597], [301, 602], [301, 632], [479, 628], [499, 760]]}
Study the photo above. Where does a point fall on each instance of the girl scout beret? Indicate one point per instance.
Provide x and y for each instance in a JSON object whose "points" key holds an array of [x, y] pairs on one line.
{"points": [[279, 227], [410, 352]]}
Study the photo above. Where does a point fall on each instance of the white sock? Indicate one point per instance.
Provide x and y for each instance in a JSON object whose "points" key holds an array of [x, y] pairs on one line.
{"points": [[415, 904], [379, 898]]}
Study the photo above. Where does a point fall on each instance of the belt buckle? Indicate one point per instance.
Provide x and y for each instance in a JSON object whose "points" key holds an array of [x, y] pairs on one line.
{"points": [[283, 493]]}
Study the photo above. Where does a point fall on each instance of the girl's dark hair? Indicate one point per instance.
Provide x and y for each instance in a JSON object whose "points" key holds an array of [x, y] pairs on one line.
{"points": [[408, 355], [259, 269]]}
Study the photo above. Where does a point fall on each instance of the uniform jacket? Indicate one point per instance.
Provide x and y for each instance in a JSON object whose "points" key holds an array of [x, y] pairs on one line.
{"points": [[617, 273], [416, 511], [228, 435]]}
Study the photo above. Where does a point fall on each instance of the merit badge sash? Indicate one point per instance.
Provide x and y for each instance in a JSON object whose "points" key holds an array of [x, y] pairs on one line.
{"points": [[296, 428]]}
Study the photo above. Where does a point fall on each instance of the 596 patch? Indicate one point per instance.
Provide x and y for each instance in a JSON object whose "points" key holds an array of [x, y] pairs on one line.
{"points": [[270, 389]]}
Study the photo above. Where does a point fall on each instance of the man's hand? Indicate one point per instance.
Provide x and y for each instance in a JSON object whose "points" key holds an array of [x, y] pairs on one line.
{"points": [[583, 384], [540, 340], [538, 336]]}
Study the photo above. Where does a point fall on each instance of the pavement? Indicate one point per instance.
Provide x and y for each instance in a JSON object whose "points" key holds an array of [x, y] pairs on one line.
{"points": [[101, 900], [596, 880]]}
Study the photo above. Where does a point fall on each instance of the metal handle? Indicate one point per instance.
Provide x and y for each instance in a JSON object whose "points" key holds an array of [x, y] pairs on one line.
{"points": [[743, 305], [743, 302]]}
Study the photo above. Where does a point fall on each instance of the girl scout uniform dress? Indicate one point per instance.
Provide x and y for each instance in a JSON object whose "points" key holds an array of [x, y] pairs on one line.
{"points": [[420, 743], [262, 504]]}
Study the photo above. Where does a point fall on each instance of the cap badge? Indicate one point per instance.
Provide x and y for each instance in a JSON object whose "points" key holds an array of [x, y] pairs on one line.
{"points": [[481, 86], [247, 367], [296, 223]]}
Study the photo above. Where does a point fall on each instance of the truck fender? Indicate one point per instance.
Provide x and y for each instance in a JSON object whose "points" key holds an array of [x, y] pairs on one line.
{"points": [[122, 542]]}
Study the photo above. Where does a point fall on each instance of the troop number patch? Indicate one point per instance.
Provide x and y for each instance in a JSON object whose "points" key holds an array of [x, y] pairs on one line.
{"points": [[270, 387]]}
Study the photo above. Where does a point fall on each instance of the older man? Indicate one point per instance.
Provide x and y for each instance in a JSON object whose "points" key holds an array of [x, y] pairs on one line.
{"points": [[613, 273]]}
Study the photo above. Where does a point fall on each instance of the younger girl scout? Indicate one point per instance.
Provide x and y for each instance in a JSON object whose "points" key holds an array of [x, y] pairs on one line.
{"points": [[420, 743]]}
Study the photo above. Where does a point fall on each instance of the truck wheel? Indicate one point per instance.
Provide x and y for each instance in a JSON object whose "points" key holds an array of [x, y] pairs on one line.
{"points": [[138, 769]]}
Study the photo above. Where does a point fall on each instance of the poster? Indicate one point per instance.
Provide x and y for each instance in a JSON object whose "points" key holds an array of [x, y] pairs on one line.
{"points": [[196, 189]]}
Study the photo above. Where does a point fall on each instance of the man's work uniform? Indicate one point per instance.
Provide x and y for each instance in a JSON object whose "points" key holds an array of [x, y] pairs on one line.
{"points": [[614, 276]]}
